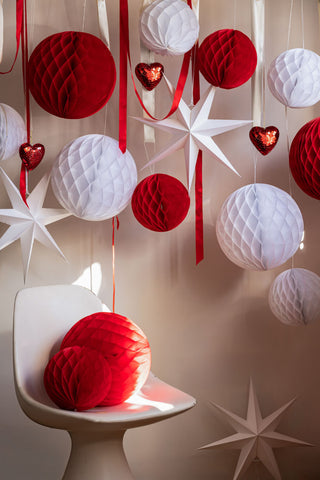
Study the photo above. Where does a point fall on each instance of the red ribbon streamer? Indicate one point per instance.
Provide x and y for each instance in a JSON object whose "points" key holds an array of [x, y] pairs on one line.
{"points": [[25, 59], [198, 172], [19, 23]]}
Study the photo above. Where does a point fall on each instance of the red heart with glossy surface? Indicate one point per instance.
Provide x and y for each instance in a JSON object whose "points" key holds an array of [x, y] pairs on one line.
{"points": [[31, 155], [264, 139], [149, 75]]}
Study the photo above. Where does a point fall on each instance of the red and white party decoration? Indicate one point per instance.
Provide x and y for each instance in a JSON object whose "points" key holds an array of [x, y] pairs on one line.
{"points": [[71, 74], [255, 436], [13, 131], [264, 139], [122, 343], [77, 378], [160, 202], [28, 222], [227, 58], [92, 178], [193, 131], [169, 27], [304, 158], [294, 78], [149, 75], [259, 227], [294, 297]]}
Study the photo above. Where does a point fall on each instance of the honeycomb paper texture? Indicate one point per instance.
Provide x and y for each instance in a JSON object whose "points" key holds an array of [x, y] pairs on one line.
{"points": [[169, 27], [259, 227], [294, 78], [294, 297], [92, 178], [12, 131]]}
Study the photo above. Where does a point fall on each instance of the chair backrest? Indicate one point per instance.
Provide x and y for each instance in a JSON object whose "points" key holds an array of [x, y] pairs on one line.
{"points": [[42, 316]]}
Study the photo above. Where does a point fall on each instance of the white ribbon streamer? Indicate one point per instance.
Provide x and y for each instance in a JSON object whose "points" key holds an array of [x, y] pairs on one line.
{"points": [[258, 78], [103, 21], [1, 30]]}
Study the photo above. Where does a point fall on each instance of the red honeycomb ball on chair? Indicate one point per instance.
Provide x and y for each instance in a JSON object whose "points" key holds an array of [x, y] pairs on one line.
{"points": [[160, 202], [304, 158], [71, 74], [227, 58], [77, 378], [122, 343]]}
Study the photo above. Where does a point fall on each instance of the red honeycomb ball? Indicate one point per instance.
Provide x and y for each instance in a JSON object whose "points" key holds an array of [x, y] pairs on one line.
{"points": [[160, 202], [122, 343], [304, 158], [227, 58], [77, 378], [71, 74]]}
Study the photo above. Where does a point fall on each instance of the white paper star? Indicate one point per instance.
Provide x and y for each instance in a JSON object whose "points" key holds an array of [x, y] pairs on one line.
{"points": [[193, 132], [28, 224], [256, 436]]}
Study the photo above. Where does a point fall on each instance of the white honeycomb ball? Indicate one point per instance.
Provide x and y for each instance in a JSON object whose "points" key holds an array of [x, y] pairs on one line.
{"points": [[294, 78], [294, 297], [13, 131], [92, 178], [259, 227], [169, 27]]}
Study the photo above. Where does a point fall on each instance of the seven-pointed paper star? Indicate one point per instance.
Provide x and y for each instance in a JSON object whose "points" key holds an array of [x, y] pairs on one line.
{"points": [[256, 436], [193, 131], [28, 224]]}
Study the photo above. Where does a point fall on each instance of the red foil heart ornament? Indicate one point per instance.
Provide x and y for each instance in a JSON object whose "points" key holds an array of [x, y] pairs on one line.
{"points": [[149, 75], [264, 139], [31, 155]]}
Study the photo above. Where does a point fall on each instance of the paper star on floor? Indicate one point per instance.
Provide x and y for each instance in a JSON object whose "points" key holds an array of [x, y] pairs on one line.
{"points": [[256, 436], [28, 224], [193, 132]]}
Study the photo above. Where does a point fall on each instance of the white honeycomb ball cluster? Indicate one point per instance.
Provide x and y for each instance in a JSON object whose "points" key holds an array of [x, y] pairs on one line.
{"points": [[259, 227], [169, 27], [294, 78], [92, 178], [13, 131], [294, 297]]}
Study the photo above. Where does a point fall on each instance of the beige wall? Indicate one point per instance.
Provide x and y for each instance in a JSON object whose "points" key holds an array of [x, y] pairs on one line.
{"points": [[209, 326]]}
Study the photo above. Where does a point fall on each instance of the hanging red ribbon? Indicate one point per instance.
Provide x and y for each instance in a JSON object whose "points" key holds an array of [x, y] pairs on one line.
{"points": [[25, 59], [198, 171], [19, 22]]}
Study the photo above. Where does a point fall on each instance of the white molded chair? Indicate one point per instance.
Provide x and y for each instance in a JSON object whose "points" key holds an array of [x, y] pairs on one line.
{"points": [[42, 316]]}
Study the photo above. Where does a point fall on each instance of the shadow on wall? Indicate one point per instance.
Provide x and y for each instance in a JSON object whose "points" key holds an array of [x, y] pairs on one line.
{"points": [[27, 450]]}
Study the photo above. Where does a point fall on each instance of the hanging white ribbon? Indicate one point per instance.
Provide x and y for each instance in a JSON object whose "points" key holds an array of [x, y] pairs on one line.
{"points": [[1, 30], [103, 21], [258, 78]]}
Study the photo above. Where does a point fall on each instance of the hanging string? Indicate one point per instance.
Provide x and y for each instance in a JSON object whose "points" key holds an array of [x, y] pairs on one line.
{"points": [[113, 265], [290, 24], [19, 23], [302, 23], [234, 14], [84, 14], [1, 30]]}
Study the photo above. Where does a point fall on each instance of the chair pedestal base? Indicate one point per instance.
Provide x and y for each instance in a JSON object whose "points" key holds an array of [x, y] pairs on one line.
{"points": [[97, 456]]}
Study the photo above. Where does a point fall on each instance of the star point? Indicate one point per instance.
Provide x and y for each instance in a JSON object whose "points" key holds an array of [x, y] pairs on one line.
{"points": [[256, 436], [28, 223]]}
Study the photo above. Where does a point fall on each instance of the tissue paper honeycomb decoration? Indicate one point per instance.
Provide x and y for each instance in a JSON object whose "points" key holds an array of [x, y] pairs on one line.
{"points": [[304, 158], [294, 78], [13, 131], [77, 378], [122, 343], [71, 74], [169, 27], [160, 202], [92, 178], [227, 58], [294, 297], [259, 227]]}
